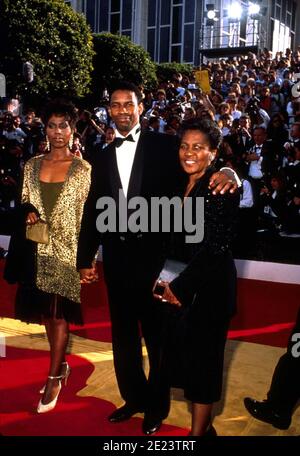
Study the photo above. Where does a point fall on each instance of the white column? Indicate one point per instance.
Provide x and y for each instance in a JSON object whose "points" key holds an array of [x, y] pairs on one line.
{"points": [[140, 13]]}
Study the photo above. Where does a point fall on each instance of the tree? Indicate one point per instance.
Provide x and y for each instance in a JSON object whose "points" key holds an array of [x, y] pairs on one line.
{"points": [[118, 58], [51, 37], [165, 71]]}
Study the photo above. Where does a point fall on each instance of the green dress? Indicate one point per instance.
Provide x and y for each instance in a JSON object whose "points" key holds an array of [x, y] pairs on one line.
{"points": [[50, 192]]}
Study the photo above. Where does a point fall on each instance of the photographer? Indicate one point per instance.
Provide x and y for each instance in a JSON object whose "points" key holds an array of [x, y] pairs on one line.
{"points": [[260, 159], [273, 203], [259, 117], [160, 101], [10, 171], [88, 128]]}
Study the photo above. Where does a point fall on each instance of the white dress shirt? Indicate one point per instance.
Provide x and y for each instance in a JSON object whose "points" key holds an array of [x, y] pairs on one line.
{"points": [[246, 199], [255, 166], [125, 156]]}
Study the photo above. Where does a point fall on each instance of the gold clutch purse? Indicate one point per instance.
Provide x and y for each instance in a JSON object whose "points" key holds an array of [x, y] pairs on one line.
{"points": [[38, 232]]}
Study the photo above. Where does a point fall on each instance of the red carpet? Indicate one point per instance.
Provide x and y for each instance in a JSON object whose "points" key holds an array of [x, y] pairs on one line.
{"points": [[19, 397], [266, 310]]}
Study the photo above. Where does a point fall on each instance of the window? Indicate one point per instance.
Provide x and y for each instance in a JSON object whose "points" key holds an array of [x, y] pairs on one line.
{"points": [[171, 30], [103, 15], [177, 24], [176, 54], [189, 11], [126, 14], [152, 13], [115, 23], [188, 51], [164, 44], [151, 42], [115, 6], [165, 12], [90, 13]]}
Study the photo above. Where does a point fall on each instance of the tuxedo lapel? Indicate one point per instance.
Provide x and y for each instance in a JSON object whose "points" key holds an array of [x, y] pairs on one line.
{"points": [[113, 172], [136, 176]]}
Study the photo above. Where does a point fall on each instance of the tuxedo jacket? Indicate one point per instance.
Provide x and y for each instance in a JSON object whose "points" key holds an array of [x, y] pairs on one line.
{"points": [[237, 144], [155, 173]]}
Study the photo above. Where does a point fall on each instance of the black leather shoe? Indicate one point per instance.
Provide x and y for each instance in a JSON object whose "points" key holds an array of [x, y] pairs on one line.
{"points": [[150, 425], [123, 413], [262, 411]]}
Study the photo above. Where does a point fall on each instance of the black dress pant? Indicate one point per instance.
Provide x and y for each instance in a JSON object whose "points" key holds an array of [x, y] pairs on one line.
{"points": [[284, 392], [134, 313]]}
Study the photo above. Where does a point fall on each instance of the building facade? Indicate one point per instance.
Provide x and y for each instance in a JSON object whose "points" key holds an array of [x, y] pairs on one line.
{"points": [[167, 29], [176, 30]]}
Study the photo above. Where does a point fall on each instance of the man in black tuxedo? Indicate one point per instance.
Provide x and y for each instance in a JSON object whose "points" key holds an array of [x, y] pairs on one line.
{"points": [[143, 164]]}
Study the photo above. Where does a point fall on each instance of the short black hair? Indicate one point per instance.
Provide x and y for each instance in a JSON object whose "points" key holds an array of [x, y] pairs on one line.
{"points": [[129, 86], [205, 126], [60, 107]]}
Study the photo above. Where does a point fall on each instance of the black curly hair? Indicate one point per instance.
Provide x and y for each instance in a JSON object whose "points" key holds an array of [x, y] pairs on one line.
{"points": [[128, 86], [61, 108], [208, 127]]}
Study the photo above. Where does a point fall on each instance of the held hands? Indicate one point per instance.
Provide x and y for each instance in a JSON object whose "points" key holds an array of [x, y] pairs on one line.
{"points": [[167, 295], [88, 275], [221, 183]]}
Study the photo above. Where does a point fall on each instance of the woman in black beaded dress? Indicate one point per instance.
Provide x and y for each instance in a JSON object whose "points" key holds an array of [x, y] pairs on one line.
{"points": [[205, 292]]}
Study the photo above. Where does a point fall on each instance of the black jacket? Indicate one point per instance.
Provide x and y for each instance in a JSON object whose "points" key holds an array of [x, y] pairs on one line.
{"points": [[210, 274], [20, 266], [155, 173]]}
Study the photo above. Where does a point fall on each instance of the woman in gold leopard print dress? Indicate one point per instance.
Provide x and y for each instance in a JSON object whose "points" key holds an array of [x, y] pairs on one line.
{"points": [[55, 187]]}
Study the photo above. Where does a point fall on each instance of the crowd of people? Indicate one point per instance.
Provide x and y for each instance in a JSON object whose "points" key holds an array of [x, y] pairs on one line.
{"points": [[253, 100], [206, 139]]}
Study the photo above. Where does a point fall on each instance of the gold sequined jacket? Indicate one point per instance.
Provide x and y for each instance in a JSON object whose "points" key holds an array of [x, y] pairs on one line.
{"points": [[56, 261]]}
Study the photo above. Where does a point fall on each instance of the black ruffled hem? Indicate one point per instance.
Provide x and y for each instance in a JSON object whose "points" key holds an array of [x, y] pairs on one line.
{"points": [[33, 305]]}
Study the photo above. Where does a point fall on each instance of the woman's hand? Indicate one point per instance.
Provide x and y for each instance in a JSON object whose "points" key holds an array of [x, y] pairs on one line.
{"points": [[167, 295], [32, 218], [170, 297]]}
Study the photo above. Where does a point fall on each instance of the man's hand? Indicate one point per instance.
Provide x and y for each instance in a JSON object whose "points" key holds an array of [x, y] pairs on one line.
{"points": [[252, 157], [221, 183], [88, 275], [245, 132]]}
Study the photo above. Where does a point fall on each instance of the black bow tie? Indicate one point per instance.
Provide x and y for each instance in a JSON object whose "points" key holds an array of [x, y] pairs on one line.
{"points": [[119, 141]]}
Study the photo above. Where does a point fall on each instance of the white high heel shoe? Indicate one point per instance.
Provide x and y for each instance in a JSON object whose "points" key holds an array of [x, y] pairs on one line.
{"points": [[63, 376], [44, 408]]}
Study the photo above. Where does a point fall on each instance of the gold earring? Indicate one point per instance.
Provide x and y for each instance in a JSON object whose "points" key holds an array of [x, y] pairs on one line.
{"points": [[71, 141], [48, 144]]}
